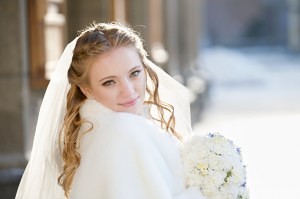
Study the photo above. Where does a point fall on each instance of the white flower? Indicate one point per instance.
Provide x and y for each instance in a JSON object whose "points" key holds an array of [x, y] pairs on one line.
{"points": [[214, 165]]}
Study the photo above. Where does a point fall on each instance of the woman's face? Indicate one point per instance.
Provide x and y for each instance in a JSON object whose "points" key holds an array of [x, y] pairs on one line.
{"points": [[117, 80]]}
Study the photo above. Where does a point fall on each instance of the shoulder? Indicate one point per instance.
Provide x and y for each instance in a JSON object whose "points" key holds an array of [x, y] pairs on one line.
{"points": [[131, 128], [128, 122], [118, 130]]}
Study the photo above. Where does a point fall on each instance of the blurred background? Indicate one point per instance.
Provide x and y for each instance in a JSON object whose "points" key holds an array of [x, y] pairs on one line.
{"points": [[240, 60]]}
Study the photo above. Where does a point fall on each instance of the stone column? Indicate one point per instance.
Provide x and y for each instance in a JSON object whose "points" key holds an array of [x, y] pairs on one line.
{"points": [[172, 40], [137, 15], [183, 20], [81, 13], [294, 25], [12, 127], [11, 104]]}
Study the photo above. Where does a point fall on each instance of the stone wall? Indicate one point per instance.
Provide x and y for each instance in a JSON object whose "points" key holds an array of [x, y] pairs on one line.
{"points": [[11, 110], [12, 160]]}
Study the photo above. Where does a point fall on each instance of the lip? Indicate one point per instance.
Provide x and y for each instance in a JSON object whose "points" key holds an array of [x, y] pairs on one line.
{"points": [[129, 103]]}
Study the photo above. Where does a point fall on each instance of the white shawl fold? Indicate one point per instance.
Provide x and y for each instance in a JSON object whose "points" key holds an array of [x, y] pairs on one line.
{"points": [[126, 156]]}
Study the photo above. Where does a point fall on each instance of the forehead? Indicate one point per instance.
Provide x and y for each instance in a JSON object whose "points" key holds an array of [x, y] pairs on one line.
{"points": [[117, 59]]}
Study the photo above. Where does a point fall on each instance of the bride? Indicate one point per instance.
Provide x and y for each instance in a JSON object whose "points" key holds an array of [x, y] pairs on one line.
{"points": [[106, 127]]}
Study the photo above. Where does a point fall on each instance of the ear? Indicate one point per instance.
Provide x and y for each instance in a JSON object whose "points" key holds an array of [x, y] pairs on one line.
{"points": [[86, 91]]}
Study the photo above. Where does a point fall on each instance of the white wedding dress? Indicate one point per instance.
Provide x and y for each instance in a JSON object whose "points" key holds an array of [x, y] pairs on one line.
{"points": [[126, 156]]}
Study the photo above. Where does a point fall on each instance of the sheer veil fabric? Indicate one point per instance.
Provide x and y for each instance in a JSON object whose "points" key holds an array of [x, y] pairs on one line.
{"points": [[40, 177]]}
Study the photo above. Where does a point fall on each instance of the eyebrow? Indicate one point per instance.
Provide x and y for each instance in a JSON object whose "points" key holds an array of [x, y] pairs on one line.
{"points": [[112, 76], [134, 68]]}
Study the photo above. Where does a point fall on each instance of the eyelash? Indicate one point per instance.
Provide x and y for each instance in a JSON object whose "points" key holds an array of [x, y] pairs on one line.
{"points": [[108, 83], [132, 75], [135, 73]]}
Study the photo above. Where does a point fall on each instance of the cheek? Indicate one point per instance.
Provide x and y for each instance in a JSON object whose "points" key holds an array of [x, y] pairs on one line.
{"points": [[106, 97], [142, 85]]}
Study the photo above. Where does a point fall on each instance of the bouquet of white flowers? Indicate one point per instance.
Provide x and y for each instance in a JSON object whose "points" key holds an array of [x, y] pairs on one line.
{"points": [[214, 165]]}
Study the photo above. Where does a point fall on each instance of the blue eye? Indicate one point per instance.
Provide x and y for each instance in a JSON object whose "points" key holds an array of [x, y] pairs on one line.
{"points": [[135, 73], [108, 83]]}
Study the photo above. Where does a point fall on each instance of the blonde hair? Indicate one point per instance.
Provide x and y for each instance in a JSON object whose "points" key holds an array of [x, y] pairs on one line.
{"points": [[93, 41]]}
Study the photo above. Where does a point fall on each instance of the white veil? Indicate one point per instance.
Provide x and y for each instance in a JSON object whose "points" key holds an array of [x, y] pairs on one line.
{"points": [[174, 93], [39, 180]]}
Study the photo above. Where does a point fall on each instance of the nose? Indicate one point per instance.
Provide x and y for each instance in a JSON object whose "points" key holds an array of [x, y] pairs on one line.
{"points": [[127, 88]]}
